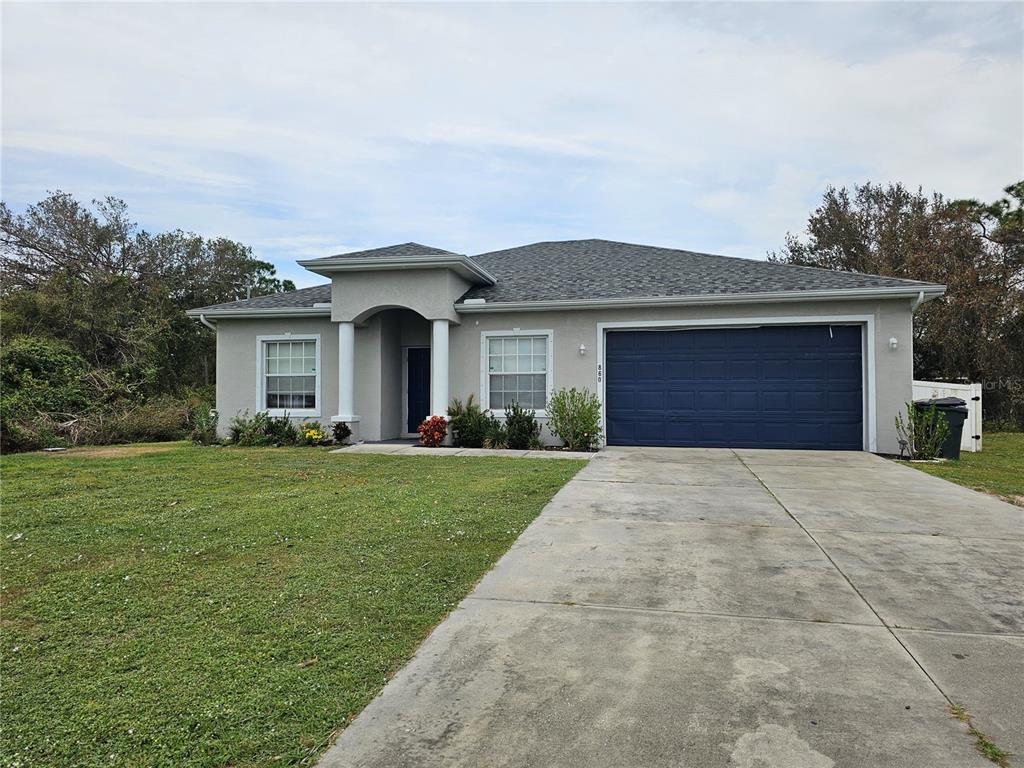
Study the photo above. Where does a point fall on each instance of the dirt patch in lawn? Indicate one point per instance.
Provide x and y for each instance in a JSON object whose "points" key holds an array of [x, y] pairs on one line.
{"points": [[113, 451]]}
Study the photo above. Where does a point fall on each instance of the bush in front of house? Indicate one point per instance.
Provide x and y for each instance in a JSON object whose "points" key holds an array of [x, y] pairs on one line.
{"points": [[469, 424], [203, 425], [342, 432], [433, 431], [262, 429], [574, 415], [313, 433], [522, 430], [923, 432], [495, 434]]}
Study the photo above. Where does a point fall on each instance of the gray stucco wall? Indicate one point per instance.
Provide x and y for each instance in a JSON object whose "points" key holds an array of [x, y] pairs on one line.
{"points": [[429, 292], [237, 383], [893, 368], [379, 343]]}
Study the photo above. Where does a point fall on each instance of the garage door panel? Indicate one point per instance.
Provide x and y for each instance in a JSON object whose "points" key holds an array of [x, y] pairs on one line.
{"points": [[744, 400], [748, 368], [782, 387], [682, 399], [777, 401], [810, 401]]}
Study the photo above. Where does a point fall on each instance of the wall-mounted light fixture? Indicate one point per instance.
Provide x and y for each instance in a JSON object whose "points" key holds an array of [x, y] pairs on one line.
{"points": [[893, 342], [583, 349]]}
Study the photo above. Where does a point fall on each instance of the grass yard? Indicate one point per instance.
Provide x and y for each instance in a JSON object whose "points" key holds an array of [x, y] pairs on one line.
{"points": [[168, 605], [998, 468]]}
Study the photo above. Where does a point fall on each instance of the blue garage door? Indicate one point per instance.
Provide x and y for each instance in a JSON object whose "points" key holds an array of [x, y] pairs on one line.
{"points": [[769, 387]]}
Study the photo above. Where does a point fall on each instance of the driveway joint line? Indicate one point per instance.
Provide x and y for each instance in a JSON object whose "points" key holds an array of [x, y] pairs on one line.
{"points": [[968, 632], [667, 485], [916, 533], [670, 611], [613, 518], [853, 586]]}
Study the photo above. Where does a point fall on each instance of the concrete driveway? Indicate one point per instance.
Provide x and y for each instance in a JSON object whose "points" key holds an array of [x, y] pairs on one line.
{"points": [[690, 607]]}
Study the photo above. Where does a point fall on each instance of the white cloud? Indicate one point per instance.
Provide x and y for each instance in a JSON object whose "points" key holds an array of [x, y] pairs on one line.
{"points": [[299, 127]]}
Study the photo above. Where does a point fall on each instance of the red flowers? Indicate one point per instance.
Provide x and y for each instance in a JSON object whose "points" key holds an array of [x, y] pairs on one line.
{"points": [[432, 431]]}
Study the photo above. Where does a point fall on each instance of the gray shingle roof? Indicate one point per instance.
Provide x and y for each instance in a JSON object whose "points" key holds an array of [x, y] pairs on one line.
{"points": [[400, 251], [304, 298], [602, 269]]}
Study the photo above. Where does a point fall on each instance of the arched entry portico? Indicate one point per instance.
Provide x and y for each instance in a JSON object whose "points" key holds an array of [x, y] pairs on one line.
{"points": [[392, 371], [372, 301]]}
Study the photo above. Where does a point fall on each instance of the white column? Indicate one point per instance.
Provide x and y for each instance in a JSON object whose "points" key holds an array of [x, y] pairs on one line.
{"points": [[346, 373], [439, 369]]}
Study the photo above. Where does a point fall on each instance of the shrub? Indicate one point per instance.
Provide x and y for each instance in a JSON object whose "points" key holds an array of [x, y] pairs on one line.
{"points": [[282, 431], [923, 432], [521, 427], [495, 434], [468, 423], [163, 418], [203, 425], [433, 430], [39, 375], [313, 433], [262, 429], [575, 417], [342, 432]]}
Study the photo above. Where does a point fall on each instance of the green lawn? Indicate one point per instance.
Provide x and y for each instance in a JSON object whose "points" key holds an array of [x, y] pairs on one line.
{"points": [[168, 605], [998, 468]]}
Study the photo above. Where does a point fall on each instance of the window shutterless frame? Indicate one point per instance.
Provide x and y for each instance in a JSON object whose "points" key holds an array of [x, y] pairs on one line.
{"points": [[517, 335], [262, 374]]}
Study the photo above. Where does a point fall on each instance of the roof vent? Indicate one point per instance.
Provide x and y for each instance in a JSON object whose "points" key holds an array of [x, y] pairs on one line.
{"points": [[475, 301]]}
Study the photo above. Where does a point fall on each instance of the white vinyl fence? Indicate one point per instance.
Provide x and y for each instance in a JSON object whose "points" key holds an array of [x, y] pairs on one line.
{"points": [[971, 393]]}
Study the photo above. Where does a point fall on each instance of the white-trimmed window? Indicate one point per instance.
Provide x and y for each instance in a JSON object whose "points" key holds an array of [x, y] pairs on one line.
{"points": [[516, 369], [289, 374]]}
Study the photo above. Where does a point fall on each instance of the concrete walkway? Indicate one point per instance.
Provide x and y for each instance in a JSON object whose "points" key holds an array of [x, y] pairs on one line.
{"points": [[676, 607]]}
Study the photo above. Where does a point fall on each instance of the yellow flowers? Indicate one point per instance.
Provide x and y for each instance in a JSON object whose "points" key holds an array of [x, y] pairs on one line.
{"points": [[314, 435]]}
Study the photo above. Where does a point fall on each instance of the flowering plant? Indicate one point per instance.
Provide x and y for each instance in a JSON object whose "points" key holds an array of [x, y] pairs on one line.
{"points": [[313, 434], [433, 430]]}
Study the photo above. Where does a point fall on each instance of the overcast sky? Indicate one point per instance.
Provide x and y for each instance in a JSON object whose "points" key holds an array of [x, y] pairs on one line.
{"points": [[304, 130]]}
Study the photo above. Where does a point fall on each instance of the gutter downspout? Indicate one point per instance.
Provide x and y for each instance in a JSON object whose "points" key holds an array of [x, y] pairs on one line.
{"points": [[207, 323], [917, 302]]}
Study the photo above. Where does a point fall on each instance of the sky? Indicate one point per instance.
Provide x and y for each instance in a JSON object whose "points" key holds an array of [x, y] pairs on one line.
{"points": [[304, 130]]}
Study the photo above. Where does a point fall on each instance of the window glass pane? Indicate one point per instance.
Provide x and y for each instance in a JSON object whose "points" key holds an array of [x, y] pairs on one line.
{"points": [[290, 374], [527, 359]]}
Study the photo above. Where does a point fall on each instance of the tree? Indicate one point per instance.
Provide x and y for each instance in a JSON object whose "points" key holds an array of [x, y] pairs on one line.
{"points": [[117, 294], [976, 331]]}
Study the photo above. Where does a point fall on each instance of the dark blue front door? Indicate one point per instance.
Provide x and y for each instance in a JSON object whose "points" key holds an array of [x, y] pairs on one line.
{"points": [[767, 387], [418, 404]]}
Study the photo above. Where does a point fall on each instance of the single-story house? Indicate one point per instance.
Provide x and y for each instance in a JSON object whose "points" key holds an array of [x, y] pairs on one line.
{"points": [[682, 348]]}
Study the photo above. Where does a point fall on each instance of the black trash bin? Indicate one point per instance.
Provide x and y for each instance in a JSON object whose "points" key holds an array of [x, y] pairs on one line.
{"points": [[955, 411]]}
